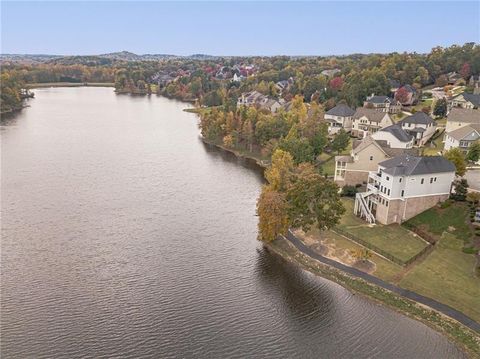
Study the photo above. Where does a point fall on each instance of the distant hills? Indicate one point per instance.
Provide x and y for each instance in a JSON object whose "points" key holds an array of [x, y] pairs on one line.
{"points": [[97, 59]]}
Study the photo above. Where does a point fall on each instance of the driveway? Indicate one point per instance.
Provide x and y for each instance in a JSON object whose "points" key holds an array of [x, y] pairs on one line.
{"points": [[473, 178]]}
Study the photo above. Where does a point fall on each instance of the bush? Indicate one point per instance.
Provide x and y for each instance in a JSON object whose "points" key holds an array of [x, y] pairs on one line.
{"points": [[445, 204], [469, 250], [349, 191]]}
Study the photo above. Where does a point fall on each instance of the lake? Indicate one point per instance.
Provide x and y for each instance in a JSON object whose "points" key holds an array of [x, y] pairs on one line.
{"points": [[124, 235]]}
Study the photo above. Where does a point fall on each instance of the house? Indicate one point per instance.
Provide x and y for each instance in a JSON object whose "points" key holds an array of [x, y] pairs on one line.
{"points": [[367, 121], [462, 137], [339, 117], [403, 187], [255, 98], [330, 73], [353, 169], [237, 77], [411, 97], [474, 81], [453, 77], [420, 125], [383, 103], [459, 117], [284, 84], [465, 100], [395, 136]]}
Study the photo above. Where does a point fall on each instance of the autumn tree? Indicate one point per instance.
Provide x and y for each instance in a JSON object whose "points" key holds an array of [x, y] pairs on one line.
{"points": [[402, 95], [465, 71], [313, 199], [336, 83], [456, 156], [279, 174], [272, 214]]}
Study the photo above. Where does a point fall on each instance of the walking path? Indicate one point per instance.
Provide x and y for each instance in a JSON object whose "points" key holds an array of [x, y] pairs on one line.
{"points": [[442, 308]]}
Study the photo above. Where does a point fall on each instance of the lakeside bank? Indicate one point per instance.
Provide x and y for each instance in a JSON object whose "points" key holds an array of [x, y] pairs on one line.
{"points": [[463, 333], [465, 338]]}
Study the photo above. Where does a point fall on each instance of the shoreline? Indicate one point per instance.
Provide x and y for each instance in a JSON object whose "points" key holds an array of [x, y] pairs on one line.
{"points": [[464, 338], [69, 84]]}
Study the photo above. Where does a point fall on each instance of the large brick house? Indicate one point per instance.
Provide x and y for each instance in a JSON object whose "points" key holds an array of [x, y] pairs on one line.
{"points": [[403, 187]]}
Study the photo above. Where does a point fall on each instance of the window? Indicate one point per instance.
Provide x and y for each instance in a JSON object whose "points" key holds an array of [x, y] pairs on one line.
{"points": [[435, 179], [386, 203], [371, 158], [388, 178], [400, 180], [423, 180], [389, 192], [403, 192], [431, 180]]}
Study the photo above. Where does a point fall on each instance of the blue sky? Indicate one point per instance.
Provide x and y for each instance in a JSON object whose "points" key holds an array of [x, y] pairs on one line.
{"points": [[236, 28]]}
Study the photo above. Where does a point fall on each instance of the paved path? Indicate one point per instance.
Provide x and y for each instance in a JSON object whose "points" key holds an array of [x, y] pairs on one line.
{"points": [[442, 308]]}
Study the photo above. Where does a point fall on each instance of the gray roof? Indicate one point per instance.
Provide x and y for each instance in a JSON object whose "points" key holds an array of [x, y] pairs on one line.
{"points": [[473, 98], [420, 118], [360, 145], [467, 115], [467, 133], [407, 165], [379, 99], [370, 113], [398, 132], [410, 88], [341, 110]]}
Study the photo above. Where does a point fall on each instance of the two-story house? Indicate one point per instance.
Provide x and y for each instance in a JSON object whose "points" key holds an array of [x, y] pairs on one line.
{"points": [[395, 136], [465, 100], [462, 137], [420, 125], [383, 103], [367, 121], [339, 117], [411, 96], [354, 168], [255, 98], [403, 187], [459, 117]]}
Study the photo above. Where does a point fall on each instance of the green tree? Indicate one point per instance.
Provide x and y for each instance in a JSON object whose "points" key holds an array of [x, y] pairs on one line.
{"points": [[440, 108], [272, 214], [340, 142], [460, 190], [473, 153], [456, 156], [313, 199], [279, 174]]}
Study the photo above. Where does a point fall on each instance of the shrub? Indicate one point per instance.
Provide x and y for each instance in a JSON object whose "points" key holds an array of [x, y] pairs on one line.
{"points": [[349, 191]]}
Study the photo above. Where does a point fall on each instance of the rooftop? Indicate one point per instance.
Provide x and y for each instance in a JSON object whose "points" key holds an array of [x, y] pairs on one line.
{"points": [[341, 110], [407, 165], [419, 118]]}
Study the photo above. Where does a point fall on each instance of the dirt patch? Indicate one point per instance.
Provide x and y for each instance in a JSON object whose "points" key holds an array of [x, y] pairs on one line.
{"points": [[320, 249]]}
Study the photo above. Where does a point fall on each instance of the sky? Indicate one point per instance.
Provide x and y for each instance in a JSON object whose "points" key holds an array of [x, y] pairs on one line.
{"points": [[235, 28]]}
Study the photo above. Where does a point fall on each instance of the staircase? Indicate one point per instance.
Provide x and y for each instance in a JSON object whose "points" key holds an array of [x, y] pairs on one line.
{"points": [[361, 207]]}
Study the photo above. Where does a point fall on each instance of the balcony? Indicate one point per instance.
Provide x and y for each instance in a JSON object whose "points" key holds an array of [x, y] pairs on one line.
{"points": [[375, 176], [373, 188]]}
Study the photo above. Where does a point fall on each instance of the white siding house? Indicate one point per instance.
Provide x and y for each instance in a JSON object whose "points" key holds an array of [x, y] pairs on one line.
{"points": [[403, 187]]}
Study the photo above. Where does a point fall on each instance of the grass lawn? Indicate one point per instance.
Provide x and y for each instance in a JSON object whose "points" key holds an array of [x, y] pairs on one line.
{"points": [[433, 151], [393, 239], [447, 275], [328, 167], [437, 220]]}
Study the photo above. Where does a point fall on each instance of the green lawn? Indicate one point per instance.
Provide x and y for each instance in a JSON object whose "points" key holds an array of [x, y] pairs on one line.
{"points": [[393, 239], [433, 151], [328, 167], [447, 275], [453, 219]]}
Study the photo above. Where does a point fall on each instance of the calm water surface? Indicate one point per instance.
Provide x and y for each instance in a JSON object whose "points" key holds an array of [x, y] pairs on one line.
{"points": [[124, 235]]}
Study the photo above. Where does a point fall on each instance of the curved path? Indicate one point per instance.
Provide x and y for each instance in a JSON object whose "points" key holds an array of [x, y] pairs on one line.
{"points": [[442, 308]]}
